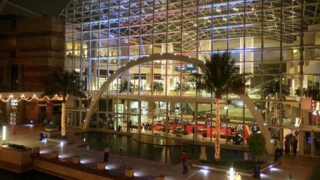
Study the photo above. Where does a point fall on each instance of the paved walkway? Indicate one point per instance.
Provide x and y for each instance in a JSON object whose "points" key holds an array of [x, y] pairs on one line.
{"points": [[296, 167]]}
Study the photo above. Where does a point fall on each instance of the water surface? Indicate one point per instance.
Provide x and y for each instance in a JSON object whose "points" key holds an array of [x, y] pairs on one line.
{"points": [[161, 153]]}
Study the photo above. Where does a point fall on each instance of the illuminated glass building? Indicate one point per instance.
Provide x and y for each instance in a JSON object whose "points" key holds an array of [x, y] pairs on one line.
{"points": [[276, 41]]}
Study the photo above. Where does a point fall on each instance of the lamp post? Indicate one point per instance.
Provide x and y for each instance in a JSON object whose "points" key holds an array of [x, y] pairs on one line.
{"points": [[226, 108], [14, 116]]}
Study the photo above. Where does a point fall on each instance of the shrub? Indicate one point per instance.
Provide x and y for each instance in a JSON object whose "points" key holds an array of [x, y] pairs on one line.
{"points": [[15, 146], [56, 120], [257, 144], [49, 126]]}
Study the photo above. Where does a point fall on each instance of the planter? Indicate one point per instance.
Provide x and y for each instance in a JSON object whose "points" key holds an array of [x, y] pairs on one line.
{"points": [[129, 173], [15, 160], [54, 155], [51, 129], [101, 165], [76, 159]]}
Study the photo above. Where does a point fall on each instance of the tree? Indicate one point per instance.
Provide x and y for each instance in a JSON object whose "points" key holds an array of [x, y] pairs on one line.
{"points": [[220, 77], [257, 145], [157, 87], [184, 87], [63, 84], [276, 89], [312, 91], [56, 121], [273, 89], [126, 86]]}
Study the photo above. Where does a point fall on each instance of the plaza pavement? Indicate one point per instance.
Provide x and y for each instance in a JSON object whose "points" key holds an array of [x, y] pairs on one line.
{"points": [[294, 167]]}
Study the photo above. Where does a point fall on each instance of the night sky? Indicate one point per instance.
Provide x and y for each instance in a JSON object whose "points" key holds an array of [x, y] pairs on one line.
{"points": [[44, 7]]}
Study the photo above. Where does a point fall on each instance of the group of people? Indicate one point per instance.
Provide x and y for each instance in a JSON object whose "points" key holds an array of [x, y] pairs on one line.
{"points": [[107, 152], [291, 143]]}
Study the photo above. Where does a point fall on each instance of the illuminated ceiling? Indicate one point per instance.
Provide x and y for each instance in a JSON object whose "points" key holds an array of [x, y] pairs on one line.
{"points": [[177, 21]]}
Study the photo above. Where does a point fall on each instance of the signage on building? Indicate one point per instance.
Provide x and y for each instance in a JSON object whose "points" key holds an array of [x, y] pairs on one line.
{"points": [[14, 102]]}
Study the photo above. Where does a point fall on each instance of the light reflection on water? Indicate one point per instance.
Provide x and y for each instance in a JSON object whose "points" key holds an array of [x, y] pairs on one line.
{"points": [[166, 154]]}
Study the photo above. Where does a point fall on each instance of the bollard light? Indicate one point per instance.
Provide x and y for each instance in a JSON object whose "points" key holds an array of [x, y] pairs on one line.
{"points": [[231, 173], [4, 133]]}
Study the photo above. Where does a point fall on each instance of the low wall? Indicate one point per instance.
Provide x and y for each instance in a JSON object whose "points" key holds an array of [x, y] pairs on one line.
{"points": [[20, 161], [72, 171], [15, 160]]}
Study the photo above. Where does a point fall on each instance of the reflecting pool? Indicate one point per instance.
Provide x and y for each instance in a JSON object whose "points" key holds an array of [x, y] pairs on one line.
{"points": [[162, 153]]}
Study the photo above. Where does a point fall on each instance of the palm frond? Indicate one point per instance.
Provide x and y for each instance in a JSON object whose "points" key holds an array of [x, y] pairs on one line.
{"points": [[157, 87], [126, 86], [220, 76], [63, 84]]}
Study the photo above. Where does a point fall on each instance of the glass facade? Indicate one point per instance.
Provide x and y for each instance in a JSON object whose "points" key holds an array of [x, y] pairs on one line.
{"points": [[276, 42]]}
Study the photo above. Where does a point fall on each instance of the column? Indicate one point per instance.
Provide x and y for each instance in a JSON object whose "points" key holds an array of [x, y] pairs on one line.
{"points": [[139, 117], [246, 58], [167, 69]]}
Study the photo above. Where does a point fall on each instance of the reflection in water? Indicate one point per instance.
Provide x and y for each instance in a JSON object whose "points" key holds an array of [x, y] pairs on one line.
{"points": [[157, 149], [203, 154]]}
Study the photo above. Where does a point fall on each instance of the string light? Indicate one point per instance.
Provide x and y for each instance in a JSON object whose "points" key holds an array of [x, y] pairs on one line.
{"points": [[34, 97]]}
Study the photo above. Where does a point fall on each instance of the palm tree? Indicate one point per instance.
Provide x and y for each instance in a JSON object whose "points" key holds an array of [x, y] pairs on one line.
{"points": [[220, 77], [126, 86], [275, 89], [312, 91], [63, 84], [184, 87], [157, 87]]}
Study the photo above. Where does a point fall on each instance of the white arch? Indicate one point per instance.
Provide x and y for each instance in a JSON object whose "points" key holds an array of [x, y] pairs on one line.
{"points": [[190, 60], [129, 65]]}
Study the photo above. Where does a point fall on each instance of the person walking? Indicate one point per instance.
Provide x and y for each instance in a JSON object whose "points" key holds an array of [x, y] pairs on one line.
{"points": [[106, 154], [121, 153], [184, 162], [278, 155], [294, 145]]}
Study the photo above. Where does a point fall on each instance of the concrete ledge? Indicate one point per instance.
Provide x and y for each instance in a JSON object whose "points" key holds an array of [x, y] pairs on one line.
{"points": [[241, 172], [57, 140], [15, 160], [15, 167], [50, 134], [36, 151], [72, 171], [162, 177]]}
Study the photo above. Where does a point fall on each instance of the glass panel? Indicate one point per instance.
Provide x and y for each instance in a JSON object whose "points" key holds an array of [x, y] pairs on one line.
{"points": [[316, 144], [307, 143], [102, 105]]}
